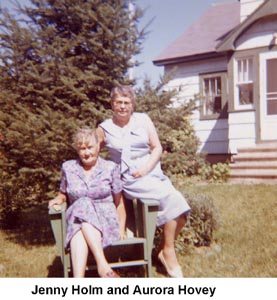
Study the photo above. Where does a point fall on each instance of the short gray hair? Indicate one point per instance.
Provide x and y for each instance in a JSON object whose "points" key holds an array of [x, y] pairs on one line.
{"points": [[84, 136], [123, 91]]}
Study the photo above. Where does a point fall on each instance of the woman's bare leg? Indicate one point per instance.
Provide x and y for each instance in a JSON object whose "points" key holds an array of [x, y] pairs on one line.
{"points": [[181, 221], [168, 244], [79, 254], [93, 239], [171, 232]]}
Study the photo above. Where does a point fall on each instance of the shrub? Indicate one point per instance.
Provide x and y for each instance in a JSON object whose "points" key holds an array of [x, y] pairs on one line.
{"points": [[177, 135], [202, 221], [215, 173], [50, 85]]}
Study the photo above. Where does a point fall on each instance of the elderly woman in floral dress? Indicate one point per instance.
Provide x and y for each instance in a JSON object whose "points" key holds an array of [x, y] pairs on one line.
{"points": [[96, 214]]}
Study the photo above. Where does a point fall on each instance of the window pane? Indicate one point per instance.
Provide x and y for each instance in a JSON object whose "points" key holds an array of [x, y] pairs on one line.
{"points": [[245, 81], [245, 93], [272, 107], [245, 70], [207, 86], [217, 104], [218, 86], [271, 76], [240, 71], [271, 93], [212, 92], [212, 86], [250, 70]]}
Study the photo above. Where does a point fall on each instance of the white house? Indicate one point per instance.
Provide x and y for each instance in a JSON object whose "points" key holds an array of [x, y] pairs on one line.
{"points": [[229, 58]]}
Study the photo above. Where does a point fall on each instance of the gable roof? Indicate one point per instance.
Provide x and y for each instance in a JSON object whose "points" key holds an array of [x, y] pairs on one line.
{"points": [[203, 36], [268, 8]]}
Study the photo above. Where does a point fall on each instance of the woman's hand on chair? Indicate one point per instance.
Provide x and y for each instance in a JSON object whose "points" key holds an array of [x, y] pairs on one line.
{"points": [[123, 235]]}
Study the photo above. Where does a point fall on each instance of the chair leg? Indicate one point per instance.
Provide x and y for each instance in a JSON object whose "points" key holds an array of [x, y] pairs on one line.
{"points": [[66, 265], [149, 268], [148, 211]]}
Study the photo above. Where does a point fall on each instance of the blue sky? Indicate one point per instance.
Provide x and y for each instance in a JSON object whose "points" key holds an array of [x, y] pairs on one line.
{"points": [[171, 19]]}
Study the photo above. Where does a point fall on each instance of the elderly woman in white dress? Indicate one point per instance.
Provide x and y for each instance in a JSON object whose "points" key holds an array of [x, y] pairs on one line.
{"points": [[133, 143]]}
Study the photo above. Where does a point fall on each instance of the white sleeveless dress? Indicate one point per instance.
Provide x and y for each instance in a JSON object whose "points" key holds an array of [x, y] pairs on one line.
{"points": [[129, 147]]}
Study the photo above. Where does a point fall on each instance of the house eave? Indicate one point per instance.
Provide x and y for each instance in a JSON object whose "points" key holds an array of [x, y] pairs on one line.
{"points": [[190, 58], [266, 9]]}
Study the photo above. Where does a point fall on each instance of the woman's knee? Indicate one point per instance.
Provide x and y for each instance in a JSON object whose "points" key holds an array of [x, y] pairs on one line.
{"points": [[78, 242]]}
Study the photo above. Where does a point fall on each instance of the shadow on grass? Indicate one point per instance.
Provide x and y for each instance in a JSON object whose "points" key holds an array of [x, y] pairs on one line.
{"points": [[56, 269], [29, 227]]}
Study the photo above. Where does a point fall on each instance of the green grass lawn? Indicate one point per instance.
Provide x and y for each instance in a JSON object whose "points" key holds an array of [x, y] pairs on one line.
{"points": [[245, 244]]}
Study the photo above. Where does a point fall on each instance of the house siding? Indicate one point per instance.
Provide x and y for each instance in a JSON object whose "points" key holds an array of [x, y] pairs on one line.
{"points": [[242, 130], [213, 134], [260, 34], [185, 76]]}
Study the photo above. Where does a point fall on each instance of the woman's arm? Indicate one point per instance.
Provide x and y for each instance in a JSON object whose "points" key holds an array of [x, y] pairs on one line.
{"points": [[101, 136], [155, 148], [120, 207], [58, 200]]}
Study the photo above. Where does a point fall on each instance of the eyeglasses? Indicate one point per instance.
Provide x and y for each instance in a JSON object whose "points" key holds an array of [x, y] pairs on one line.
{"points": [[119, 103]]}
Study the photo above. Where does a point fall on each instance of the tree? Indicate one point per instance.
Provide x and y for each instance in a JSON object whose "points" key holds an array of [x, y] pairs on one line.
{"points": [[179, 141], [57, 66]]}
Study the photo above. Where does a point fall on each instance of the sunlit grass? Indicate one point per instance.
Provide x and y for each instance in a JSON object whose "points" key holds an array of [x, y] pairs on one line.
{"points": [[28, 250], [244, 244], [18, 261]]}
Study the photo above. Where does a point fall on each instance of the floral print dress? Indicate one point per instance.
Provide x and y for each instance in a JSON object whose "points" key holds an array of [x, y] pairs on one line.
{"points": [[90, 198]]}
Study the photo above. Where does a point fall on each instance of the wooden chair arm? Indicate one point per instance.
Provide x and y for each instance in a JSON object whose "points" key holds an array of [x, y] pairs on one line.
{"points": [[150, 202], [57, 209], [58, 225]]}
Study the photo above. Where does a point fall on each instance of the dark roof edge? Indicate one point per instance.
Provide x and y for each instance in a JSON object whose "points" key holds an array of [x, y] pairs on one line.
{"points": [[183, 59]]}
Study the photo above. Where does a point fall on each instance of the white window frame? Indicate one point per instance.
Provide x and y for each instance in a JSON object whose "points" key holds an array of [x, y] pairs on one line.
{"points": [[223, 78], [237, 83]]}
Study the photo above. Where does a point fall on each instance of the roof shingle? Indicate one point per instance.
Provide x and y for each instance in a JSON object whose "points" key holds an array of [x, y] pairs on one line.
{"points": [[203, 35]]}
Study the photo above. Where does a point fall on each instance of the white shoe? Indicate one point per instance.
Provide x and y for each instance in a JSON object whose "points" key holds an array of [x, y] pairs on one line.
{"points": [[175, 272]]}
